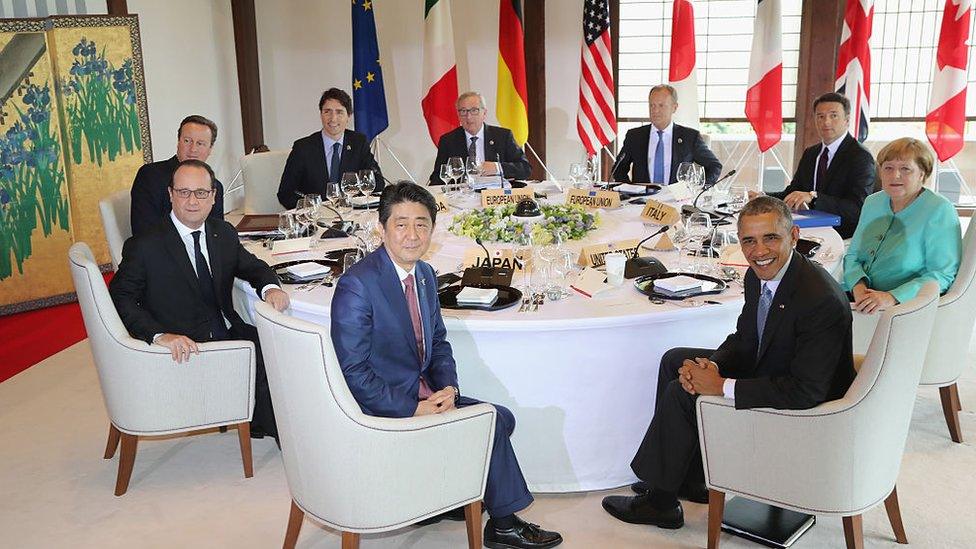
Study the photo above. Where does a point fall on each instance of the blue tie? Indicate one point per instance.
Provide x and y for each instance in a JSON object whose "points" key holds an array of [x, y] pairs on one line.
{"points": [[334, 165], [765, 300], [659, 159]]}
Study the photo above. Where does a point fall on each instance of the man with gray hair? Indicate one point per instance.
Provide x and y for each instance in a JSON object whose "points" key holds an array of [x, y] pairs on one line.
{"points": [[791, 350], [655, 150], [494, 147]]}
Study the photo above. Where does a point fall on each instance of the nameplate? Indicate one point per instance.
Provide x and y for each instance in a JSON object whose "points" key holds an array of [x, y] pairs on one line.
{"points": [[593, 199], [660, 213], [441, 202], [594, 256], [679, 190], [500, 258], [501, 197]]}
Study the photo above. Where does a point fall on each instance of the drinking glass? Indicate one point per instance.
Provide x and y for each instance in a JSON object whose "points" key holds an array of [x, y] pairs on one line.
{"points": [[685, 173], [699, 228], [456, 163], [350, 259], [577, 173], [738, 196], [722, 239], [563, 264], [350, 185], [445, 174], [286, 224], [303, 213], [592, 170], [523, 255], [472, 168], [367, 184]]}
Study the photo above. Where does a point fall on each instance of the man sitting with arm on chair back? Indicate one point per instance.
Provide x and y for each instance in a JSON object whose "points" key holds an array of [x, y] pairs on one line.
{"points": [[791, 350], [392, 346]]}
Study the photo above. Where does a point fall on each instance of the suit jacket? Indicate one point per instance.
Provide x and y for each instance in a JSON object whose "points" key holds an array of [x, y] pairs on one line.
{"points": [[687, 145], [307, 170], [156, 291], [806, 354], [374, 339], [500, 146], [150, 196], [850, 179]]}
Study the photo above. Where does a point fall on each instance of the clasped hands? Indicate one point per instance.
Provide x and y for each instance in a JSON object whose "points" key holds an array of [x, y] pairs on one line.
{"points": [[869, 301], [437, 403], [700, 377]]}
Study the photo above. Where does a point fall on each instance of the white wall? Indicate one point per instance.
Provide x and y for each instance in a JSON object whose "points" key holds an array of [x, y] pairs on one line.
{"points": [[304, 47], [190, 64]]}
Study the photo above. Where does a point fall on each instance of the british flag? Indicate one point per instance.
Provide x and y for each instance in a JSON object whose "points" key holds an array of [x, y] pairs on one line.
{"points": [[854, 64]]}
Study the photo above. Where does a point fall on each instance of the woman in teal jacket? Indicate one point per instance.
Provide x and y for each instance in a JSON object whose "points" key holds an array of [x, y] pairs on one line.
{"points": [[906, 235]]}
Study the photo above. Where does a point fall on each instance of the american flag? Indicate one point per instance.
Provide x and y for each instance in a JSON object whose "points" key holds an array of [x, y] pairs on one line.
{"points": [[596, 120]]}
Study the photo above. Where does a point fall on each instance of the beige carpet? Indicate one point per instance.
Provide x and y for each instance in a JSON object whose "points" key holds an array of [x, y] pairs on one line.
{"points": [[56, 491]]}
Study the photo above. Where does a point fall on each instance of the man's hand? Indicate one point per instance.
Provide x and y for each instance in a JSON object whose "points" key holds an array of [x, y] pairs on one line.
{"points": [[686, 372], [798, 200], [277, 298], [443, 399], [179, 346], [872, 301], [705, 379], [426, 408], [489, 168]]}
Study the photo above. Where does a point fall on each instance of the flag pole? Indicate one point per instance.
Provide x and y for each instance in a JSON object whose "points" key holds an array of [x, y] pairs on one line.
{"points": [[396, 159]]}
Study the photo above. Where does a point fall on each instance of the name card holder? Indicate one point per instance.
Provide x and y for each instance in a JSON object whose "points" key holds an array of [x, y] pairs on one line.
{"points": [[594, 256], [441, 202], [501, 197], [593, 199], [660, 213]]}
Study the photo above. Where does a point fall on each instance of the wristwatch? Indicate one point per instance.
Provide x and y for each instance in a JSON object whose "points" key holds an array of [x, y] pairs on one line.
{"points": [[814, 195]]}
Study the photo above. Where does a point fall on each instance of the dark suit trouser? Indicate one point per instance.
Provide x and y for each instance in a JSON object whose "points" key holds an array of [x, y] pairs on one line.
{"points": [[670, 456], [263, 417], [505, 491]]}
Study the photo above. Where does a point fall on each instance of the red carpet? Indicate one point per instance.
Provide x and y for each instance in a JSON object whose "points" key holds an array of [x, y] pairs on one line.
{"points": [[28, 338]]}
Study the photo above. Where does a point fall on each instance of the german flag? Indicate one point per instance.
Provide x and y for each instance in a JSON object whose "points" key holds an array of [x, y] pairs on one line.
{"points": [[512, 104]]}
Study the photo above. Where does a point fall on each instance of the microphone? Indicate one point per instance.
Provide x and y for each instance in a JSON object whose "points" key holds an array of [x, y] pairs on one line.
{"points": [[624, 155], [487, 266], [694, 203], [639, 266]]}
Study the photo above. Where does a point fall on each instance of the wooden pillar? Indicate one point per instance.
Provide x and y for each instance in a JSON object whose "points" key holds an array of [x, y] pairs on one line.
{"points": [[117, 7], [534, 19], [248, 74], [821, 23]]}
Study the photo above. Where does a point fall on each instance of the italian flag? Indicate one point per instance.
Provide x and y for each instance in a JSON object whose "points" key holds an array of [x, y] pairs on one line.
{"points": [[440, 70]]}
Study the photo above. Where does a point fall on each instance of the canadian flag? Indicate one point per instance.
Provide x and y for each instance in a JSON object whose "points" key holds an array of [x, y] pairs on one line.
{"points": [[854, 64], [681, 70], [764, 98], [946, 120]]}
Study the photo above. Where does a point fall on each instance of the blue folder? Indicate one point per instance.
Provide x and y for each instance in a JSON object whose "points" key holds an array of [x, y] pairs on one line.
{"points": [[806, 219]]}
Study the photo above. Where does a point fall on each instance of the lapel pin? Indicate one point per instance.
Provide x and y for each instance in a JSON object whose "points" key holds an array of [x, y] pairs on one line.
{"points": [[492, 142], [781, 306], [680, 140], [348, 147]]}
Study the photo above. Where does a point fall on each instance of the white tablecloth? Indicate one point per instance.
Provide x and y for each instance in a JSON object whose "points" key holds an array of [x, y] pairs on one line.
{"points": [[579, 374]]}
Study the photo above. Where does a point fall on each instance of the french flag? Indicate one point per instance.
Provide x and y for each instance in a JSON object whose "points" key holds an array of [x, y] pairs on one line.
{"points": [[945, 122], [764, 98]]}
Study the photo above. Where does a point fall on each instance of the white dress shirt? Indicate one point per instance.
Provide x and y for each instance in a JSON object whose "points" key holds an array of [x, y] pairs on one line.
{"points": [[652, 146], [327, 142]]}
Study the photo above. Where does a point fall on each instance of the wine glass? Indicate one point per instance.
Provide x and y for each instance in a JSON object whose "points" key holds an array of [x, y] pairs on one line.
{"points": [[722, 239], [333, 194], [445, 174], [562, 265], [576, 173], [303, 211], [286, 224], [472, 168], [592, 170], [349, 185], [456, 163], [367, 184], [699, 228]]}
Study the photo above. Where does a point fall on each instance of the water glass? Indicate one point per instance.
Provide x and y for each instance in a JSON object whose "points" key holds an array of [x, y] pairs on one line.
{"points": [[456, 164], [615, 268], [699, 229], [738, 197], [472, 169], [286, 224], [367, 184], [577, 173], [523, 256]]}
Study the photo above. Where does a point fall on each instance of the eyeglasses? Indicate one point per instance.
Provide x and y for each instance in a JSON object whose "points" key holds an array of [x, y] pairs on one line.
{"points": [[199, 193], [469, 112]]}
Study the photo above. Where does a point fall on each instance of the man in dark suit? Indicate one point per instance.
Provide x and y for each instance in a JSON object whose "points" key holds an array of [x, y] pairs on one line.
{"points": [[392, 346], [327, 154], [493, 146], [150, 195], [173, 287], [835, 175], [655, 155], [791, 350]]}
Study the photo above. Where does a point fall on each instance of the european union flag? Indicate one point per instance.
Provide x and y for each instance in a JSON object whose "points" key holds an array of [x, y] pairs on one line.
{"points": [[369, 99]]}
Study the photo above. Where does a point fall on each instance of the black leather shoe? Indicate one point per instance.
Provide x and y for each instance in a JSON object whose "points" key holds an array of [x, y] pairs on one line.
{"points": [[693, 492], [453, 514], [638, 510], [523, 535]]}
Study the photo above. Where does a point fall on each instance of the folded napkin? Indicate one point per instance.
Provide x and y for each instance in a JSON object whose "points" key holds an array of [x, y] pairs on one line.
{"points": [[291, 246], [630, 188], [307, 269], [477, 296], [677, 284], [362, 201]]}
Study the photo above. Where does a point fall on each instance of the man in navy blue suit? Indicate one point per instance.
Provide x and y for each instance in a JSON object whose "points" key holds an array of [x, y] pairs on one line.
{"points": [[392, 345]]}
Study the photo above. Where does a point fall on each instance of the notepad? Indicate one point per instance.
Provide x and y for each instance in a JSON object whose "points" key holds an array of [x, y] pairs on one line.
{"points": [[677, 284], [591, 282], [470, 295]]}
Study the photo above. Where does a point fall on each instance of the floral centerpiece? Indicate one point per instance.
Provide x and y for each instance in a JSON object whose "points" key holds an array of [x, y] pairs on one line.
{"points": [[496, 224]]}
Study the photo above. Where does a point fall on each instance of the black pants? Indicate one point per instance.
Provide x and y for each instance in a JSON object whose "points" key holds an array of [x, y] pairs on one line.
{"points": [[263, 418], [670, 456]]}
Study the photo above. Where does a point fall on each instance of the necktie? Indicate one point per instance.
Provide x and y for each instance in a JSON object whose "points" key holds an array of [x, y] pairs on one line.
{"points": [[821, 170], [473, 148], [334, 165], [765, 300], [413, 306], [659, 159], [217, 327]]}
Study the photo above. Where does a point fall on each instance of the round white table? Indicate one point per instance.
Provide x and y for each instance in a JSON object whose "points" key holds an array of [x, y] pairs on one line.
{"points": [[580, 373]]}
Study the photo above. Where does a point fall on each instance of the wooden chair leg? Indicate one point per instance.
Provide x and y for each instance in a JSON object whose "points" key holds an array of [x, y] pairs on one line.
{"points": [[894, 516], [350, 540], [295, 518], [472, 520], [951, 411], [113, 441], [126, 460], [716, 508], [955, 396], [854, 532], [244, 435]]}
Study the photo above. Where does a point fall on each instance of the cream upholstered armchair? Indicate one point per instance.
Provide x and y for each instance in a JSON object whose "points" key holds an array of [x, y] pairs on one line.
{"points": [[115, 209], [358, 473], [262, 175], [953, 331], [146, 393], [840, 458]]}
